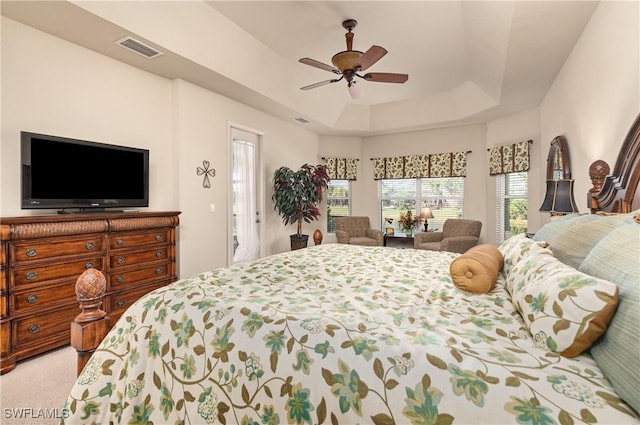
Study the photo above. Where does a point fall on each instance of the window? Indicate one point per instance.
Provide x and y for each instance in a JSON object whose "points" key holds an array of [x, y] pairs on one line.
{"points": [[511, 205], [443, 195], [338, 202]]}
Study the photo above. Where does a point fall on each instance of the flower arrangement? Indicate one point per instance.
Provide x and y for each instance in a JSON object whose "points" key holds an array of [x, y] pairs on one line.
{"points": [[408, 221]]}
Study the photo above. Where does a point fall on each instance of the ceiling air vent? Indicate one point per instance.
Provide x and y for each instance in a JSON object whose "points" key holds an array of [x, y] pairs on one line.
{"points": [[138, 47], [301, 120]]}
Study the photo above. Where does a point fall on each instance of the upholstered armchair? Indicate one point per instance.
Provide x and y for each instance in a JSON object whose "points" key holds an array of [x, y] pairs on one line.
{"points": [[457, 235], [357, 231]]}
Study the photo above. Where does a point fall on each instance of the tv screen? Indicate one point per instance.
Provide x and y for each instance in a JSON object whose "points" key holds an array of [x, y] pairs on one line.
{"points": [[64, 173]]}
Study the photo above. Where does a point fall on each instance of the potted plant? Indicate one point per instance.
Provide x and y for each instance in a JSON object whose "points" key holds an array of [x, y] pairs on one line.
{"points": [[297, 195]]}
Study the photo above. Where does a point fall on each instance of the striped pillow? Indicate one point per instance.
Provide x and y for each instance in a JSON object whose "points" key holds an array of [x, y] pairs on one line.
{"points": [[572, 237], [617, 258]]}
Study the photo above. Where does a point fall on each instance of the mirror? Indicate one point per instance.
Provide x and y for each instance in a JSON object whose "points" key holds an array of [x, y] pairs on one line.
{"points": [[558, 164]]}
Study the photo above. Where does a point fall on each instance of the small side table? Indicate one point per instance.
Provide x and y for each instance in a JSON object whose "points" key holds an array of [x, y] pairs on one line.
{"points": [[398, 240]]}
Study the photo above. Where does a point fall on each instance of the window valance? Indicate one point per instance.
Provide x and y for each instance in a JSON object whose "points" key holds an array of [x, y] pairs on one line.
{"points": [[342, 168], [450, 164], [509, 158]]}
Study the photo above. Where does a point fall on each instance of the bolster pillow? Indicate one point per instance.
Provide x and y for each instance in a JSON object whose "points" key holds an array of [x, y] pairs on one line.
{"points": [[477, 269]]}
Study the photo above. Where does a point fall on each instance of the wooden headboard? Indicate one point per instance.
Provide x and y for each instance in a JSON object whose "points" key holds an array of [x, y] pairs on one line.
{"points": [[618, 192]]}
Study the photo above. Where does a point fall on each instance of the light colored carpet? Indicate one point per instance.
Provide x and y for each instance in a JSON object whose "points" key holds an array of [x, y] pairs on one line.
{"points": [[35, 391]]}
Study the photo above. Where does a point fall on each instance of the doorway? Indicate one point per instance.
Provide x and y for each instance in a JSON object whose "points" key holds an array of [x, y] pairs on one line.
{"points": [[246, 193]]}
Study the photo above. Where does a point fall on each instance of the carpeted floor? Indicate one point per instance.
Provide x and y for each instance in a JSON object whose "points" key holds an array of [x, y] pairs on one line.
{"points": [[35, 391]]}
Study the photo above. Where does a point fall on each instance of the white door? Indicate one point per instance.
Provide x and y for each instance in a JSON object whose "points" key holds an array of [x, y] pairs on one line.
{"points": [[246, 196]]}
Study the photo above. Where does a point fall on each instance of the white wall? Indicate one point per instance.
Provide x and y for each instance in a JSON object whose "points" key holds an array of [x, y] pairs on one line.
{"points": [[592, 102], [596, 96], [202, 134], [54, 87], [46, 88]]}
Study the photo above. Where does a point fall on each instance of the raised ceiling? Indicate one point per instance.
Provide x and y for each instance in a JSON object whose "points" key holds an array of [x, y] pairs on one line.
{"points": [[468, 61]]}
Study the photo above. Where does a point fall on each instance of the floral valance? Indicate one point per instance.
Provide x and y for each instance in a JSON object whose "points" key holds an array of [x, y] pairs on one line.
{"points": [[509, 158], [450, 164], [342, 168]]}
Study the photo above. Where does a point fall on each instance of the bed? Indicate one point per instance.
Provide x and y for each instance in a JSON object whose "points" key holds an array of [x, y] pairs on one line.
{"points": [[347, 334]]}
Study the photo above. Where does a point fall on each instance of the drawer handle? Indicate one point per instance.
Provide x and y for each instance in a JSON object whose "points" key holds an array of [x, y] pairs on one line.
{"points": [[158, 237], [33, 298], [31, 275], [120, 260], [34, 329], [89, 265], [121, 303], [159, 254], [120, 279], [120, 241], [32, 252], [89, 245], [159, 270]]}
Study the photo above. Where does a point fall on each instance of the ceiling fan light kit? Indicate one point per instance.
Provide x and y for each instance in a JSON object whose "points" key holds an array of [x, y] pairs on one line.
{"points": [[354, 90], [349, 63]]}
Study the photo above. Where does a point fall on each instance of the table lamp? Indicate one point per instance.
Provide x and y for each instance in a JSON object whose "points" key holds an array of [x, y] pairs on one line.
{"points": [[426, 214], [559, 198]]}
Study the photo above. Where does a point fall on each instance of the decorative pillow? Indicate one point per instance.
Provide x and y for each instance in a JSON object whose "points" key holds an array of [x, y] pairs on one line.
{"points": [[514, 248], [477, 269], [564, 309], [572, 237], [617, 258]]}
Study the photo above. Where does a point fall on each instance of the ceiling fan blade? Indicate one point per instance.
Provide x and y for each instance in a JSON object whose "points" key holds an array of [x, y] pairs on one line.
{"points": [[317, 64], [371, 56], [385, 77], [320, 84]]}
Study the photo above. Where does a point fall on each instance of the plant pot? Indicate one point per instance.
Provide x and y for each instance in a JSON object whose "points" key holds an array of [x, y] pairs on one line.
{"points": [[298, 241]]}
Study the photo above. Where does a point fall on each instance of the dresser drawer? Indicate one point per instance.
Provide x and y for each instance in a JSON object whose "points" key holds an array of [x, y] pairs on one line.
{"points": [[44, 298], [4, 307], [130, 240], [41, 327], [116, 304], [137, 258], [123, 278], [21, 252], [34, 275]]}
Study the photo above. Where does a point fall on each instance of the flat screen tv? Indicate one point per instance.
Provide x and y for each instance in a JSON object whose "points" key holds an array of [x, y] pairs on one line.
{"points": [[82, 176]]}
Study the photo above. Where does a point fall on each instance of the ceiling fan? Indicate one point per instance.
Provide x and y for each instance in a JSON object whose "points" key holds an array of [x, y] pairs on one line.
{"points": [[349, 63]]}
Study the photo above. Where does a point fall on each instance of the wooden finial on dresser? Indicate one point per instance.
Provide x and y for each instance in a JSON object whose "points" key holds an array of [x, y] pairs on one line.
{"points": [[91, 325]]}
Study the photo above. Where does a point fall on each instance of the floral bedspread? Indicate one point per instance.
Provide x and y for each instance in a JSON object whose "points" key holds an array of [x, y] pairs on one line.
{"points": [[334, 334]]}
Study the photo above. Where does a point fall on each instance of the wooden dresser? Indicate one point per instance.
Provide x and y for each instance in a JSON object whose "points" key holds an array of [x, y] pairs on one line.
{"points": [[42, 256]]}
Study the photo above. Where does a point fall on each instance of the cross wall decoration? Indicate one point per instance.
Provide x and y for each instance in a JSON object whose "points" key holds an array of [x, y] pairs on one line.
{"points": [[204, 170]]}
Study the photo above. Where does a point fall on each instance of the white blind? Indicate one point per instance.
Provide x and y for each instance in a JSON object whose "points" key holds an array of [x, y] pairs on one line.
{"points": [[338, 202], [443, 195], [511, 205]]}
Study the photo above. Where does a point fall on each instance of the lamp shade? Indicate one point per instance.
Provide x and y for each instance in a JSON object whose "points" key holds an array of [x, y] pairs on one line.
{"points": [[354, 90], [559, 197], [426, 213]]}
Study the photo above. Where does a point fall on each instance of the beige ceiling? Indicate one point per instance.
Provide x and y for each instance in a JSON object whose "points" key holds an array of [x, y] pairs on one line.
{"points": [[468, 61]]}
